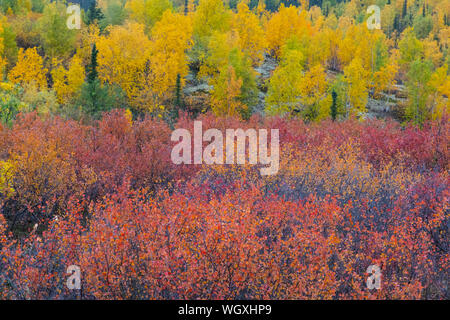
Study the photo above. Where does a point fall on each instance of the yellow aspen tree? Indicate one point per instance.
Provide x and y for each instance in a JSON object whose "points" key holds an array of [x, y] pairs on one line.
{"points": [[170, 39], [56, 38], [6, 178], [331, 21], [29, 69], [225, 96], [304, 4], [352, 9], [313, 87], [387, 23], [210, 16], [59, 80], [410, 48], [319, 48], [251, 34], [315, 15], [444, 38], [344, 23], [359, 42], [147, 12], [283, 93], [355, 78], [334, 37], [261, 12], [438, 15], [191, 7], [85, 41], [347, 47], [122, 59], [24, 6], [3, 61], [284, 24], [67, 82], [261, 7], [431, 51], [440, 82], [384, 78], [219, 49], [224, 51]]}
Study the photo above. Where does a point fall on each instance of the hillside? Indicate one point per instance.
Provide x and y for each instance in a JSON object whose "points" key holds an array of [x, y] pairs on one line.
{"points": [[238, 150], [159, 57]]}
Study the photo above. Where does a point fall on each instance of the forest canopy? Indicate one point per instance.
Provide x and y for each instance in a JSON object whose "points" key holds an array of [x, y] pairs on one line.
{"points": [[273, 57], [89, 104]]}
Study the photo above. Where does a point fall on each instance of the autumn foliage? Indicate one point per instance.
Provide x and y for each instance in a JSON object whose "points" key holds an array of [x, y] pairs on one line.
{"points": [[106, 197], [87, 179]]}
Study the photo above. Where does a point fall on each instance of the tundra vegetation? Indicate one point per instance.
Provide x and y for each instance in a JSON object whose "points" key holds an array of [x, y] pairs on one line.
{"points": [[86, 177]]}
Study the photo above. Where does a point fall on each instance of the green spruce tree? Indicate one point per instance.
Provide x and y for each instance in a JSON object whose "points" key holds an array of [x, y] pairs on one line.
{"points": [[94, 14], [95, 97], [333, 108], [91, 71], [178, 102]]}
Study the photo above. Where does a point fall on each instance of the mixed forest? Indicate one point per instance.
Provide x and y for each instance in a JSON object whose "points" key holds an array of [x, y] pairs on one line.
{"points": [[86, 177]]}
